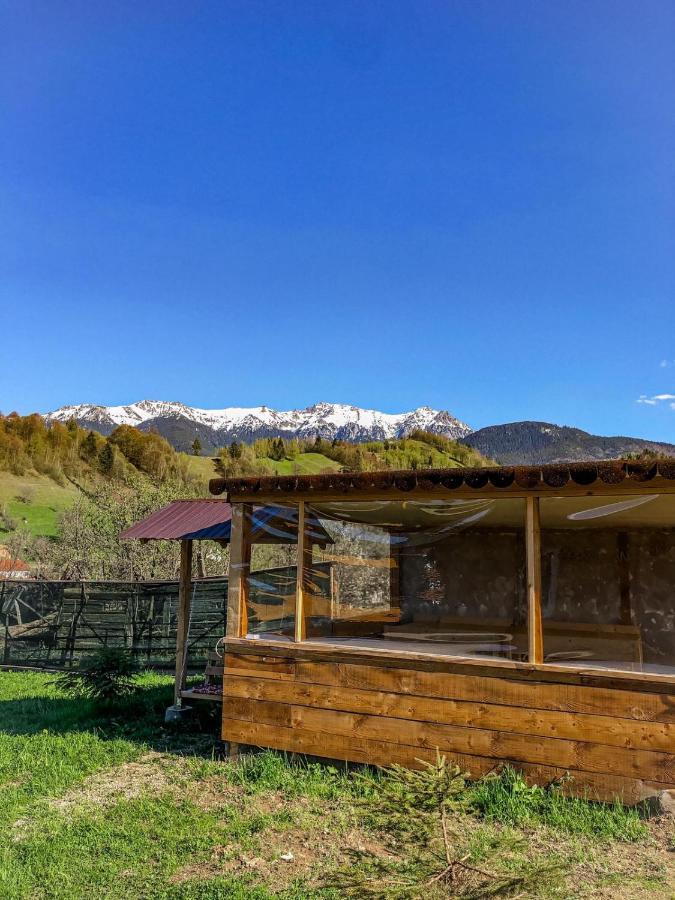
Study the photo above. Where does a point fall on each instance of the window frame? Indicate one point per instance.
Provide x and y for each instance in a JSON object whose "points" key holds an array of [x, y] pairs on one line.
{"points": [[240, 558]]}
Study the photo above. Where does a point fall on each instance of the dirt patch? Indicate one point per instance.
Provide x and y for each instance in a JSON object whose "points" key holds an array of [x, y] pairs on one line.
{"points": [[212, 792], [631, 871], [279, 856], [153, 772]]}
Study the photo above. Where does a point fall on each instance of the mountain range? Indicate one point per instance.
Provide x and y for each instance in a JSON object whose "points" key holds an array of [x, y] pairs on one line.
{"points": [[512, 443], [181, 424]]}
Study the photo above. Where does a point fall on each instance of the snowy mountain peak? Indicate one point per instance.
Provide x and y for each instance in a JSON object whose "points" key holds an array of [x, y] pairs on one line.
{"points": [[180, 424]]}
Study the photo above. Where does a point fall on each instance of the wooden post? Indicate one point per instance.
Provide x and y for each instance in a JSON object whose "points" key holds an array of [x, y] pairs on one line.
{"points": [[238, 584], [183, 618], [240, 567], [394, 574], [535, 635], [304, 551]]}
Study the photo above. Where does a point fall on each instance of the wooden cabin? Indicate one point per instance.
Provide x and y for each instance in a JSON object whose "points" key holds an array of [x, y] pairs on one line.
{"points": [[521, 615]]}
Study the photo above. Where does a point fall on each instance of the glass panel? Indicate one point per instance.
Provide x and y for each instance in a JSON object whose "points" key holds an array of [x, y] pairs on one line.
{"points": [[608, 582], [271, 583], [446, 576]]}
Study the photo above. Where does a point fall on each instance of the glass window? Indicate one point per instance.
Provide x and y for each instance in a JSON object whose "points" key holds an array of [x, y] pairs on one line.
{"points": [[608, 582], [444, 576], [271, 581]]}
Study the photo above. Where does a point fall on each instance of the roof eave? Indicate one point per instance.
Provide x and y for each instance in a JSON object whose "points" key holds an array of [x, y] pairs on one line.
{"points": [[586, 476]]}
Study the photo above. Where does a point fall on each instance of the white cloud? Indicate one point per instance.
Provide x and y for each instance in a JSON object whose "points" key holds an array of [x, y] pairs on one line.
{"points": [[664, 363], [655, 399]]}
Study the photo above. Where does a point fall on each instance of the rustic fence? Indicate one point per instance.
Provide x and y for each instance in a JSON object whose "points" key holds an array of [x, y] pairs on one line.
{"points": [[54, 624]]}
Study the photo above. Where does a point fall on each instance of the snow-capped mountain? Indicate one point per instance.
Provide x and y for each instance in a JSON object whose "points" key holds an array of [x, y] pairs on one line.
{"points": [[180, 424]]}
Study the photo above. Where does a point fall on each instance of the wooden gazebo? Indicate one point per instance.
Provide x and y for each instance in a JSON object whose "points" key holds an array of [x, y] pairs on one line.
{"points": [[522, 615]]}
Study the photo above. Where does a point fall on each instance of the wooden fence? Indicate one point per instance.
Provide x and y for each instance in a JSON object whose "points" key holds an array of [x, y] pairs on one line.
{"points": [[55, 624]]}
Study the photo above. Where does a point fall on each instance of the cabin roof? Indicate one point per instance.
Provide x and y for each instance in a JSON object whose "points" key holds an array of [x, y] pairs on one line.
{"points": [[555, 475]]}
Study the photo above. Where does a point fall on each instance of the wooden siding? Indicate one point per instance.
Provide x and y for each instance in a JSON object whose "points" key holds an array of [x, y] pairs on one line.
{"points": [[615, 737]]}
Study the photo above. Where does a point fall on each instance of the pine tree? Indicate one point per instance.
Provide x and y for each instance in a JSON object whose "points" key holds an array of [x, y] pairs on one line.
{"points": [[278, 449], [90, 446], [196, 447], [106, 458]]}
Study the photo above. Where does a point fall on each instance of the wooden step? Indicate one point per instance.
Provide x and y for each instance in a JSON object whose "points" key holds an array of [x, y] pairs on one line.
{"points": [[189, 694]]}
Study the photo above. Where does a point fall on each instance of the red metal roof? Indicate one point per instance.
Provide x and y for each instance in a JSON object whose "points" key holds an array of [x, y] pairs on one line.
{"points": [[211, 519], [184, 519], [13, 565]]}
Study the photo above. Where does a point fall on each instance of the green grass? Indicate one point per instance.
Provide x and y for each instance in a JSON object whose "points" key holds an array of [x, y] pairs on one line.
{"points": [[507, 799], [303, 464], [313, 463], [34, 501], [201, 466], [433, 458], [112, 805]]}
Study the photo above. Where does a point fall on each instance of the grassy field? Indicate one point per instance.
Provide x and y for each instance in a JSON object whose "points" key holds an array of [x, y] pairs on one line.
{"points": [[35, 501], [434, 458], [312, 463], [112, 805], [201, 466], [303, 464]]}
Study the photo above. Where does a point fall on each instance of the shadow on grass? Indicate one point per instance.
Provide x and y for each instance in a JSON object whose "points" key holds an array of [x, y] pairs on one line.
{"points": [[139, 719]]}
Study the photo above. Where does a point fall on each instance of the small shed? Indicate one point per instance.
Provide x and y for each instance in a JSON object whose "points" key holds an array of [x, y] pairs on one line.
{"points": [[211, 519]]}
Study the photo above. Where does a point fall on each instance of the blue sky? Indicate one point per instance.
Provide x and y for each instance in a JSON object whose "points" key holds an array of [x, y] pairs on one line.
{"points": [[468, 205]]}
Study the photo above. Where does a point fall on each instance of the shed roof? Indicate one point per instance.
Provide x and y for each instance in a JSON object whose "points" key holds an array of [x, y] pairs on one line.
{"points": [[210, 519], [185, 520], [555, 475]]}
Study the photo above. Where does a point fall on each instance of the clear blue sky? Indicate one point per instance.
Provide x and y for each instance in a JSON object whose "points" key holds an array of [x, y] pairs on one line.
{"points": [[469, 205]]}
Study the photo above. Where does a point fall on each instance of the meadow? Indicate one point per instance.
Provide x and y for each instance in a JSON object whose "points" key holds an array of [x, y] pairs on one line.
{"points": [[34, 502], [109, 803]]}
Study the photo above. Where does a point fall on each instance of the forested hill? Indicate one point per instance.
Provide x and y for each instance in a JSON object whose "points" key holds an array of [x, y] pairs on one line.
{"points": [[542, 442], [69, 453], [67, 493], [420, 450], [46, 469]]}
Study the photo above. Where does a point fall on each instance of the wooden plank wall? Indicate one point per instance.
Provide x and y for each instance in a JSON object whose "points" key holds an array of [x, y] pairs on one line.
{"points": [[615, 741]]}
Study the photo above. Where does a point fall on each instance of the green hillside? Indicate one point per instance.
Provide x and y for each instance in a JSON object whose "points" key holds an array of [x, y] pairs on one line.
{"points": [[303, 464], [398, 454], [204, 467], [269, 456], [45, 469], [201, 467], [34, 502]]}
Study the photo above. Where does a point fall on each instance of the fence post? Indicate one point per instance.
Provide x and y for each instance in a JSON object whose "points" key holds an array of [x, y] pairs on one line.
{"points": [[5, 652], [183, 618]]}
